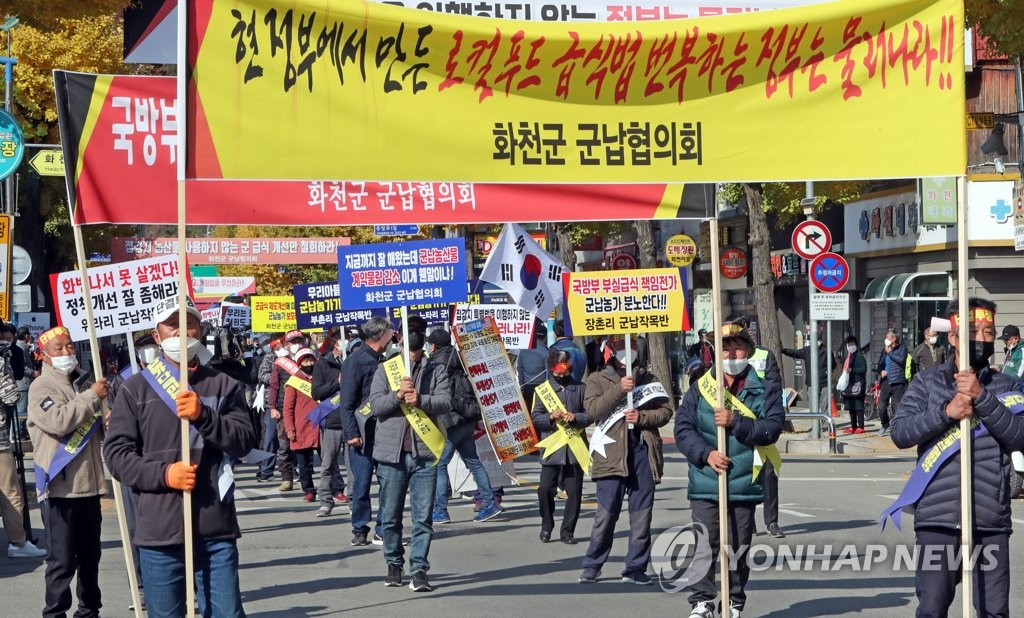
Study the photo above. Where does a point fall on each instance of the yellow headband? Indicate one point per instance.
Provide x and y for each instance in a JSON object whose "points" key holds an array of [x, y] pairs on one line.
{"points": [[729, 330], [51, 334], [985, 316]]}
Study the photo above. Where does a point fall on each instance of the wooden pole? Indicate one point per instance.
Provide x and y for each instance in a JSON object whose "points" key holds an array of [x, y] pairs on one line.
{"points": [[97, 368], [629, 373], [966, 458], [405, 340], [723, 477]]}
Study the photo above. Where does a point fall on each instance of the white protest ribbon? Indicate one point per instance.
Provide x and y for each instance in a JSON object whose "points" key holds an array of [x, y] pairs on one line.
{"points": [[642, 395]]}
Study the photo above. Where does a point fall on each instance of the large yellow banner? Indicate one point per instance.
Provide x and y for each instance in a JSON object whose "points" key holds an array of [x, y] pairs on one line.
{"points": [[303, 89]]}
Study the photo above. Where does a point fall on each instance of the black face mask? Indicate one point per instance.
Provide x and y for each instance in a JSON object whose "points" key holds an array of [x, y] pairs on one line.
{"points": [[563, 380], [980, 352], [307, 368]]}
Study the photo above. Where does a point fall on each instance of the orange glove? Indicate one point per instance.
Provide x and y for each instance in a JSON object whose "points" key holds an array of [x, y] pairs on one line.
{"points": [[181, 477], [189, 406]]}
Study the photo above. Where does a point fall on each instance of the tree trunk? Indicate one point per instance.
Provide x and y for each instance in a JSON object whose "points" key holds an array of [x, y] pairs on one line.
{"points": [[566, 253], [764, 278], [657, 343]]}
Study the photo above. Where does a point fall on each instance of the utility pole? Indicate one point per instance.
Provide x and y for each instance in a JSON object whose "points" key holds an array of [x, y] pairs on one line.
{"points": [[812, 358]]}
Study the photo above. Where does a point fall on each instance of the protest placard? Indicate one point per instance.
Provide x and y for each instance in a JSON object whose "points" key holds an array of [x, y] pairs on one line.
{"points": [[318, 305], [238, 317], [514, 323], [626, 301], [272, 314], [402, 273], [505, 414], [123, 296]]}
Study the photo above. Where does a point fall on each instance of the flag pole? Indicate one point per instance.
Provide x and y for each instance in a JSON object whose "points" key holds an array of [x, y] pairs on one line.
{"points": [[723, 477], [186, 458], [966, 459], [131, 354], [97, 369], [405, 340]]}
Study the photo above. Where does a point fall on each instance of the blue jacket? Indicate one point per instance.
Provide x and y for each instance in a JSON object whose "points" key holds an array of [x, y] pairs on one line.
{"points": [[921, 420], [356, 380], [571, 396], [894, 363], [697, 435]]}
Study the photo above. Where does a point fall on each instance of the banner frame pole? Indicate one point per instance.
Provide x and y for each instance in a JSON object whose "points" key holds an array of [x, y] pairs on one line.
{"points": [[966, 459], [723, 478]]}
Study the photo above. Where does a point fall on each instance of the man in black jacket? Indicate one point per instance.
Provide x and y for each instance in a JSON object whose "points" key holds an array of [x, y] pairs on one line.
{"points": [[143, 450], [357, 427], [931, 410], [892, 371], [460, 421], [326, 382]]}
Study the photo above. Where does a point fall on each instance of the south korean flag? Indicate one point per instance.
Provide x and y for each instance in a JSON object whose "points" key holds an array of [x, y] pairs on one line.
{"points": [[531, 275]]}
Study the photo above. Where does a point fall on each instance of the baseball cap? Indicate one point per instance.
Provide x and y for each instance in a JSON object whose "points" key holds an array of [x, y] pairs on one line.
{"points": [[294, 334], [303, 352], [1009, 331], [440, 337], [169, 306]]}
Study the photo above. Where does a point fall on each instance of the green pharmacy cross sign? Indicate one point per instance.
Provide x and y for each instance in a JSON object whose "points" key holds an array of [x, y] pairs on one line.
{"points": [[12, 144]]}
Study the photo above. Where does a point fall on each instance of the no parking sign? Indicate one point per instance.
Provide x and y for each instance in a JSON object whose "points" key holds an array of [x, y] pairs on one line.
{"points": [[829, 272]]}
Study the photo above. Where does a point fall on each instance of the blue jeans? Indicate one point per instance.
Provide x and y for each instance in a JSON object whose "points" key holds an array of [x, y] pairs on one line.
{"points": [[460, 439], [417, 477], [270, 445], [360, 460], [217, 587]]}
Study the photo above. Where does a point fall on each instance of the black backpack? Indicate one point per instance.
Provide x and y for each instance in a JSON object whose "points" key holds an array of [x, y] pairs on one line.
{"points": [[464, 401]]}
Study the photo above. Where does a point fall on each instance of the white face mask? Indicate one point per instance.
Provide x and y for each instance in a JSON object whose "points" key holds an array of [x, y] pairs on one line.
{"points": [[172, 348], [147, 353], [281, 352], [65, 364], [851, 349], [734, 366], [266, 349], [294, 347], [888, 343], [933, 340]]}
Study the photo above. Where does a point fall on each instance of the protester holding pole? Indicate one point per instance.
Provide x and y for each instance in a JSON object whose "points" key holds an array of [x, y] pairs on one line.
{"points": [[12, 498], [65, 410], [627, 460], [142, 451], [752, 417], [929, 418]]}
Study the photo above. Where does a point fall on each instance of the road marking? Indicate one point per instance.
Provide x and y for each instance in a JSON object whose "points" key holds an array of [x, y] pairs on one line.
{"points": [[796, 513], [815, 479], [888, 496]]}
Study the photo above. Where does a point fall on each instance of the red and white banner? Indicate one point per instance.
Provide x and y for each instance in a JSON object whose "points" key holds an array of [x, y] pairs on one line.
{"points": [[123, 296], [233, 250]]}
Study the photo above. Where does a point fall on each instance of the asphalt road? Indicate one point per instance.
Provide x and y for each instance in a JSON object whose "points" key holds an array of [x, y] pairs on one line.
{"points": [[296, 565]]}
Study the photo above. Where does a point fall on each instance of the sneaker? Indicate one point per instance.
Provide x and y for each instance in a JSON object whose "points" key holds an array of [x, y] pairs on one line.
{"points": [[142, 602], [637, 577], [883, 431], [849, 430], [419, 583], [734, 612], [394, 576], [775, 532], [589, 576], [858, 430], [704, 609], [359, 539], [442, 517], [487, 513], [378, 539], [324, 511], [264, 479], [477, 505], [341, 498], [26, 550], [309, 497], [562, 495], [285, 486]]}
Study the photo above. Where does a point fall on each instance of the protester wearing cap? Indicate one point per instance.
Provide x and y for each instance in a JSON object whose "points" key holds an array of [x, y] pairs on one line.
{"points": [[752, 417], [283, 368], [65, 407], [629, 462], [929, 418], [1013, 365], [302, 434], [143, 451]]}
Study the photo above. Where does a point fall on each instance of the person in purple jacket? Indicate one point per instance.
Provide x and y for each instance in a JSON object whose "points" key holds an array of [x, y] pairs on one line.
{"points": [[143, 451]]}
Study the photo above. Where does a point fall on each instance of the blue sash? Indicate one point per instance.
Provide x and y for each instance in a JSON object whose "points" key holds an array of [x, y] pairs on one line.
{"points": [[320, 413], [929, 464], [70, 446], [164, 378]]}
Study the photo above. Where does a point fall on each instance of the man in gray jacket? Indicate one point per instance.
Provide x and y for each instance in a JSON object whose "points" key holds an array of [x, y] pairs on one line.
{"points": [[405, 463]]}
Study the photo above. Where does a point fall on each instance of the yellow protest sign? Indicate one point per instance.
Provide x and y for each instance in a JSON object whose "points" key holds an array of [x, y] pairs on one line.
{"points": [[680, 250], [626, 301], [826, 91], [271, 314], [417, 418]]}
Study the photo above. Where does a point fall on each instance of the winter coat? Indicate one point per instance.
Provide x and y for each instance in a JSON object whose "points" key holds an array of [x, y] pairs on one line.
{"points": [[326, 375], [697, 435], [356, 379], [571, 396], [804, 354], [921, 420], [58, 404], [144, 438], [601, 397], [392, 426], [894, 364], [464, 407], [297, 407], [856, 388]]}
